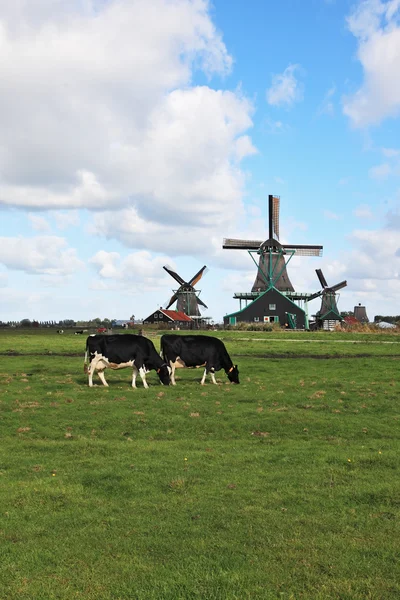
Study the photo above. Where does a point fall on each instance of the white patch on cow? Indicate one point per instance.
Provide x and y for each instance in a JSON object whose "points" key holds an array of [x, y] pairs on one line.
{"points": [[115, 366], [142, 372], [212, 377], [178, 364], [102, 378], [98, 363]]}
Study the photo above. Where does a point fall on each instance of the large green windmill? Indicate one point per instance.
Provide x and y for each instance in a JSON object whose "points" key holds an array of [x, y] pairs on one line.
{"points": [[272, 257]]}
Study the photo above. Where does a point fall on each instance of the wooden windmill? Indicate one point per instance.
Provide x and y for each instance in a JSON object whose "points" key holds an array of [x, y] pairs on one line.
{"points": [[273, 256], [328, 315], [186, 296]]}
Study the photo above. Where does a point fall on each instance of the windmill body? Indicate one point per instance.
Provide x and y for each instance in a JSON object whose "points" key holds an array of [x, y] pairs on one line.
{"points": [[328, 315], [271, 259], [360, 313], [186, 296]]}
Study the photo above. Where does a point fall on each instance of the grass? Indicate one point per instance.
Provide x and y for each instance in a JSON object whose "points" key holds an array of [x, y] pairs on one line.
{"points": [[286, 486]]}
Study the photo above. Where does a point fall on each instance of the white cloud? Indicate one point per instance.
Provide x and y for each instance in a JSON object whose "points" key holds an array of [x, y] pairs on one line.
{"points": [[275, 127], [380, 171], [112, 121], [331, 216], [285, 88], [374, 256], [390, 152], [140, 268], [48, 255], [375, 24], [64, 220], [327, 106], [39, 223], [363, 212]]}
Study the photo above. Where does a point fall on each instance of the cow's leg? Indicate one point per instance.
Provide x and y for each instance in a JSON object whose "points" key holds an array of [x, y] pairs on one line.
{"points": [[102, 378], [204, 377], [213, 376], [142, 374], [134, 375], [90, 374], [172, 375]]}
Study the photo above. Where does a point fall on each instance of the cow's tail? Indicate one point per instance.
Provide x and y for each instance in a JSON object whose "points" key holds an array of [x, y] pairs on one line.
{"points": [[85, 363]]}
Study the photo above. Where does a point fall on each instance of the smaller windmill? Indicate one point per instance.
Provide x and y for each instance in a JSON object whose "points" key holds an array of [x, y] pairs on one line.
{"points": [[186, 296], [328, 315]]}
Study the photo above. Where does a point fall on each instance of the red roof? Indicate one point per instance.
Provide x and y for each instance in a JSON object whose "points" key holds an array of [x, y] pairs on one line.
{"points": [[176, 315], [351, 320]]}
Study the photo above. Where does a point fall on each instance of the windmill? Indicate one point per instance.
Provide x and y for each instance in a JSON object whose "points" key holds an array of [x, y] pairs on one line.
{"points": [[328, 314], [273, 256], [186, 296]]}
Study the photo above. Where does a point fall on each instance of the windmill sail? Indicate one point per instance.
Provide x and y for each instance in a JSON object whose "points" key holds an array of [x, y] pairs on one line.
{"points": [[186, 297], [329, 310], [273, 256]]}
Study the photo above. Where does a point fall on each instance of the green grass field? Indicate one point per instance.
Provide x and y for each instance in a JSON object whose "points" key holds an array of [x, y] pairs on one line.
{"points": [[286, 486]]}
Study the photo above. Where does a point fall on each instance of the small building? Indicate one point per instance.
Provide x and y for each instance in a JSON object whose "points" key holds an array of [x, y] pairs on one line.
{"points": [[270, 307], [124, 323], [172, 318]]}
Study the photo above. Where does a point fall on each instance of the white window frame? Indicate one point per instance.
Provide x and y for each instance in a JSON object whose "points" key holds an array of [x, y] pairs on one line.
{"points": [[271, 319]]}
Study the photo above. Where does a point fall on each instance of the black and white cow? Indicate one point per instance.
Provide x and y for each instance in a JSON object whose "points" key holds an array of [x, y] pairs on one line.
{"points": [[79, 332], [197, 351], [119, 351]]}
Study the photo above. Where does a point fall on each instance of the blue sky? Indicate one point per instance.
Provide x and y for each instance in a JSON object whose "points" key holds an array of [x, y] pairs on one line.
{"points": [[139, 134]]}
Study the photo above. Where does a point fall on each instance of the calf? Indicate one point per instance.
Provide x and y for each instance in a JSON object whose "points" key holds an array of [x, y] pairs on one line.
{"points": [[197, 351], [119, 351], [79, 332]]}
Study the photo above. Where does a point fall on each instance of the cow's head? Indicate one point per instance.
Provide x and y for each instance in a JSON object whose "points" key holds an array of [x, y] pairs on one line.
{"points": [[163, 373], [233, 374]]}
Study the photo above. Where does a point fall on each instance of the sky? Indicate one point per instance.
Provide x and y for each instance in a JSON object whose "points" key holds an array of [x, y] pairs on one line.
{"points": [[137, 134]]}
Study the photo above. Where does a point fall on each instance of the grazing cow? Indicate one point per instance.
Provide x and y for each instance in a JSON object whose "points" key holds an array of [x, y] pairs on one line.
{"points": [[197, 351], [80, 332], [60, 331], [119, 351]]}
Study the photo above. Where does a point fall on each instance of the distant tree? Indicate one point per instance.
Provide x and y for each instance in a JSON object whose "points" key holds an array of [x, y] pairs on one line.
{"points": [[347, 313], [67, 323], [25, 323], [387, 319]]}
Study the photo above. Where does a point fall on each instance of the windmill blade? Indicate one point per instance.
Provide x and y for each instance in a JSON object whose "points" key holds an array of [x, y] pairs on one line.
{"points": [[174, 275], [321, 278], [201, 302], [273, 216], [301, 250], [172, 300], [316, 295], [338, 286], [198, 276], [232, 244]]}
